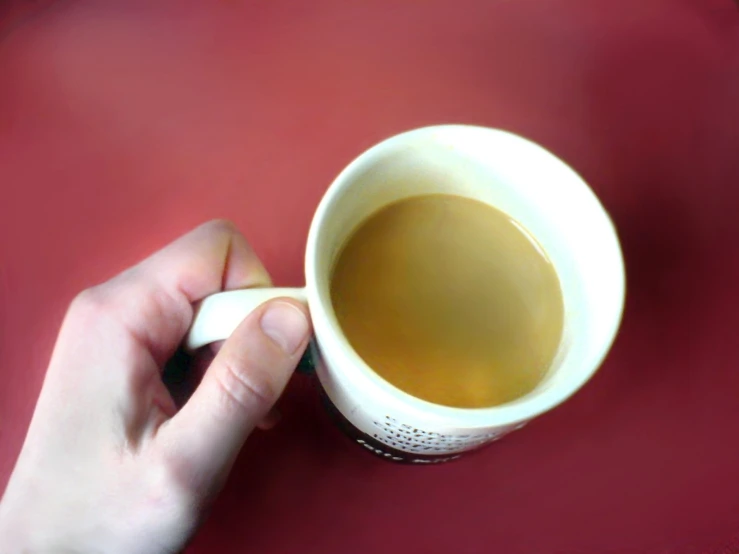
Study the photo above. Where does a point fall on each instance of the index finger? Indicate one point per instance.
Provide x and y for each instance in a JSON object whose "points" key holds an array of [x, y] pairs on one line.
{"points": [[154, 299]]}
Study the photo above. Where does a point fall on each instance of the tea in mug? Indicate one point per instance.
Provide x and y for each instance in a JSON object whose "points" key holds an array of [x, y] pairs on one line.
{"points": [[450, 300]]}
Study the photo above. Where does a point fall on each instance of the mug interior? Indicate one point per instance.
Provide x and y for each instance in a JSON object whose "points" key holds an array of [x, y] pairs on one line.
{"points": [[517, 177]]}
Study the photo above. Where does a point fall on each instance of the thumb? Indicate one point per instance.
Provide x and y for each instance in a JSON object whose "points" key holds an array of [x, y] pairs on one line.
{"points": [[243, 382]]}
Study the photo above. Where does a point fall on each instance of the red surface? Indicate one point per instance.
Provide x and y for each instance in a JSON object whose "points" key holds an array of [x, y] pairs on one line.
{"points": [[123, 124]]}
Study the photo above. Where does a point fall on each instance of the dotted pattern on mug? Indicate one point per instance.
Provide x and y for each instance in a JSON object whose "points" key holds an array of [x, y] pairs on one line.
{"points": [[394, 458], [418, 441]]}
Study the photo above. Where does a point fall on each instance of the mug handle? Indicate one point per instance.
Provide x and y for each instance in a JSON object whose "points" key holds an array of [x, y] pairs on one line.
{"points": [[218, 315]]}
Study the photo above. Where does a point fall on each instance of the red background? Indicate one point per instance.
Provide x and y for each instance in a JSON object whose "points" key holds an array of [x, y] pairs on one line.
{"points": [[123, 124]]}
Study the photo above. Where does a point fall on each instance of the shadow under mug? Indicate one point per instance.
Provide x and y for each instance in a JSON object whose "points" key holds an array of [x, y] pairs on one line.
{"points": [[498, 168]]}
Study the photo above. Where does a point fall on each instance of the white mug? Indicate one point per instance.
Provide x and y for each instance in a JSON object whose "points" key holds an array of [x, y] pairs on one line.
{"points": [[498, 168]]}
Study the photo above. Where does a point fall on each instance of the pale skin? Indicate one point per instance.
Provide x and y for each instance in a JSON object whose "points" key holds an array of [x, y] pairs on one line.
{"points": [[110, 464]]}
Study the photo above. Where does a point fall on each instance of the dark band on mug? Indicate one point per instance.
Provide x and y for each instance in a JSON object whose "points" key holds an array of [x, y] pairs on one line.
{"points": [[376, 447]]}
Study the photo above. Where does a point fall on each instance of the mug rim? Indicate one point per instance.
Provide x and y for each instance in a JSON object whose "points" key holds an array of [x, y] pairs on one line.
{"points": [[331, 337]]}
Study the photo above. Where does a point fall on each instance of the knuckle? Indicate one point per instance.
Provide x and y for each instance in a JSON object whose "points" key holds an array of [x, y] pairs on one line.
{"points": [[222, 225], [89, 302], [242, 388]]}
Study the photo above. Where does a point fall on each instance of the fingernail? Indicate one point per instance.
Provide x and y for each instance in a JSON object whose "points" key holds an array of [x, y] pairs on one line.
{"points": [[286, 325]]}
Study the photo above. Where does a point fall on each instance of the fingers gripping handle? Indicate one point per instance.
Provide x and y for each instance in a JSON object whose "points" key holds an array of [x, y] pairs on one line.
{"points": [[217, 316]]}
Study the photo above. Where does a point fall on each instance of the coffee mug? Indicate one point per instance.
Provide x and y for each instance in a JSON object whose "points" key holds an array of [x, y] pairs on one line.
{"points": [[503, 170]]}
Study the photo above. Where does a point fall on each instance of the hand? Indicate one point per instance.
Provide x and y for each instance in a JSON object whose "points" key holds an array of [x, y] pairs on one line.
{"points": [[109, 463]]}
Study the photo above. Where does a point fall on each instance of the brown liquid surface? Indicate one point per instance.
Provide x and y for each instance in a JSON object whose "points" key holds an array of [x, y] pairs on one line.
{"points": [[449, 300]]}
